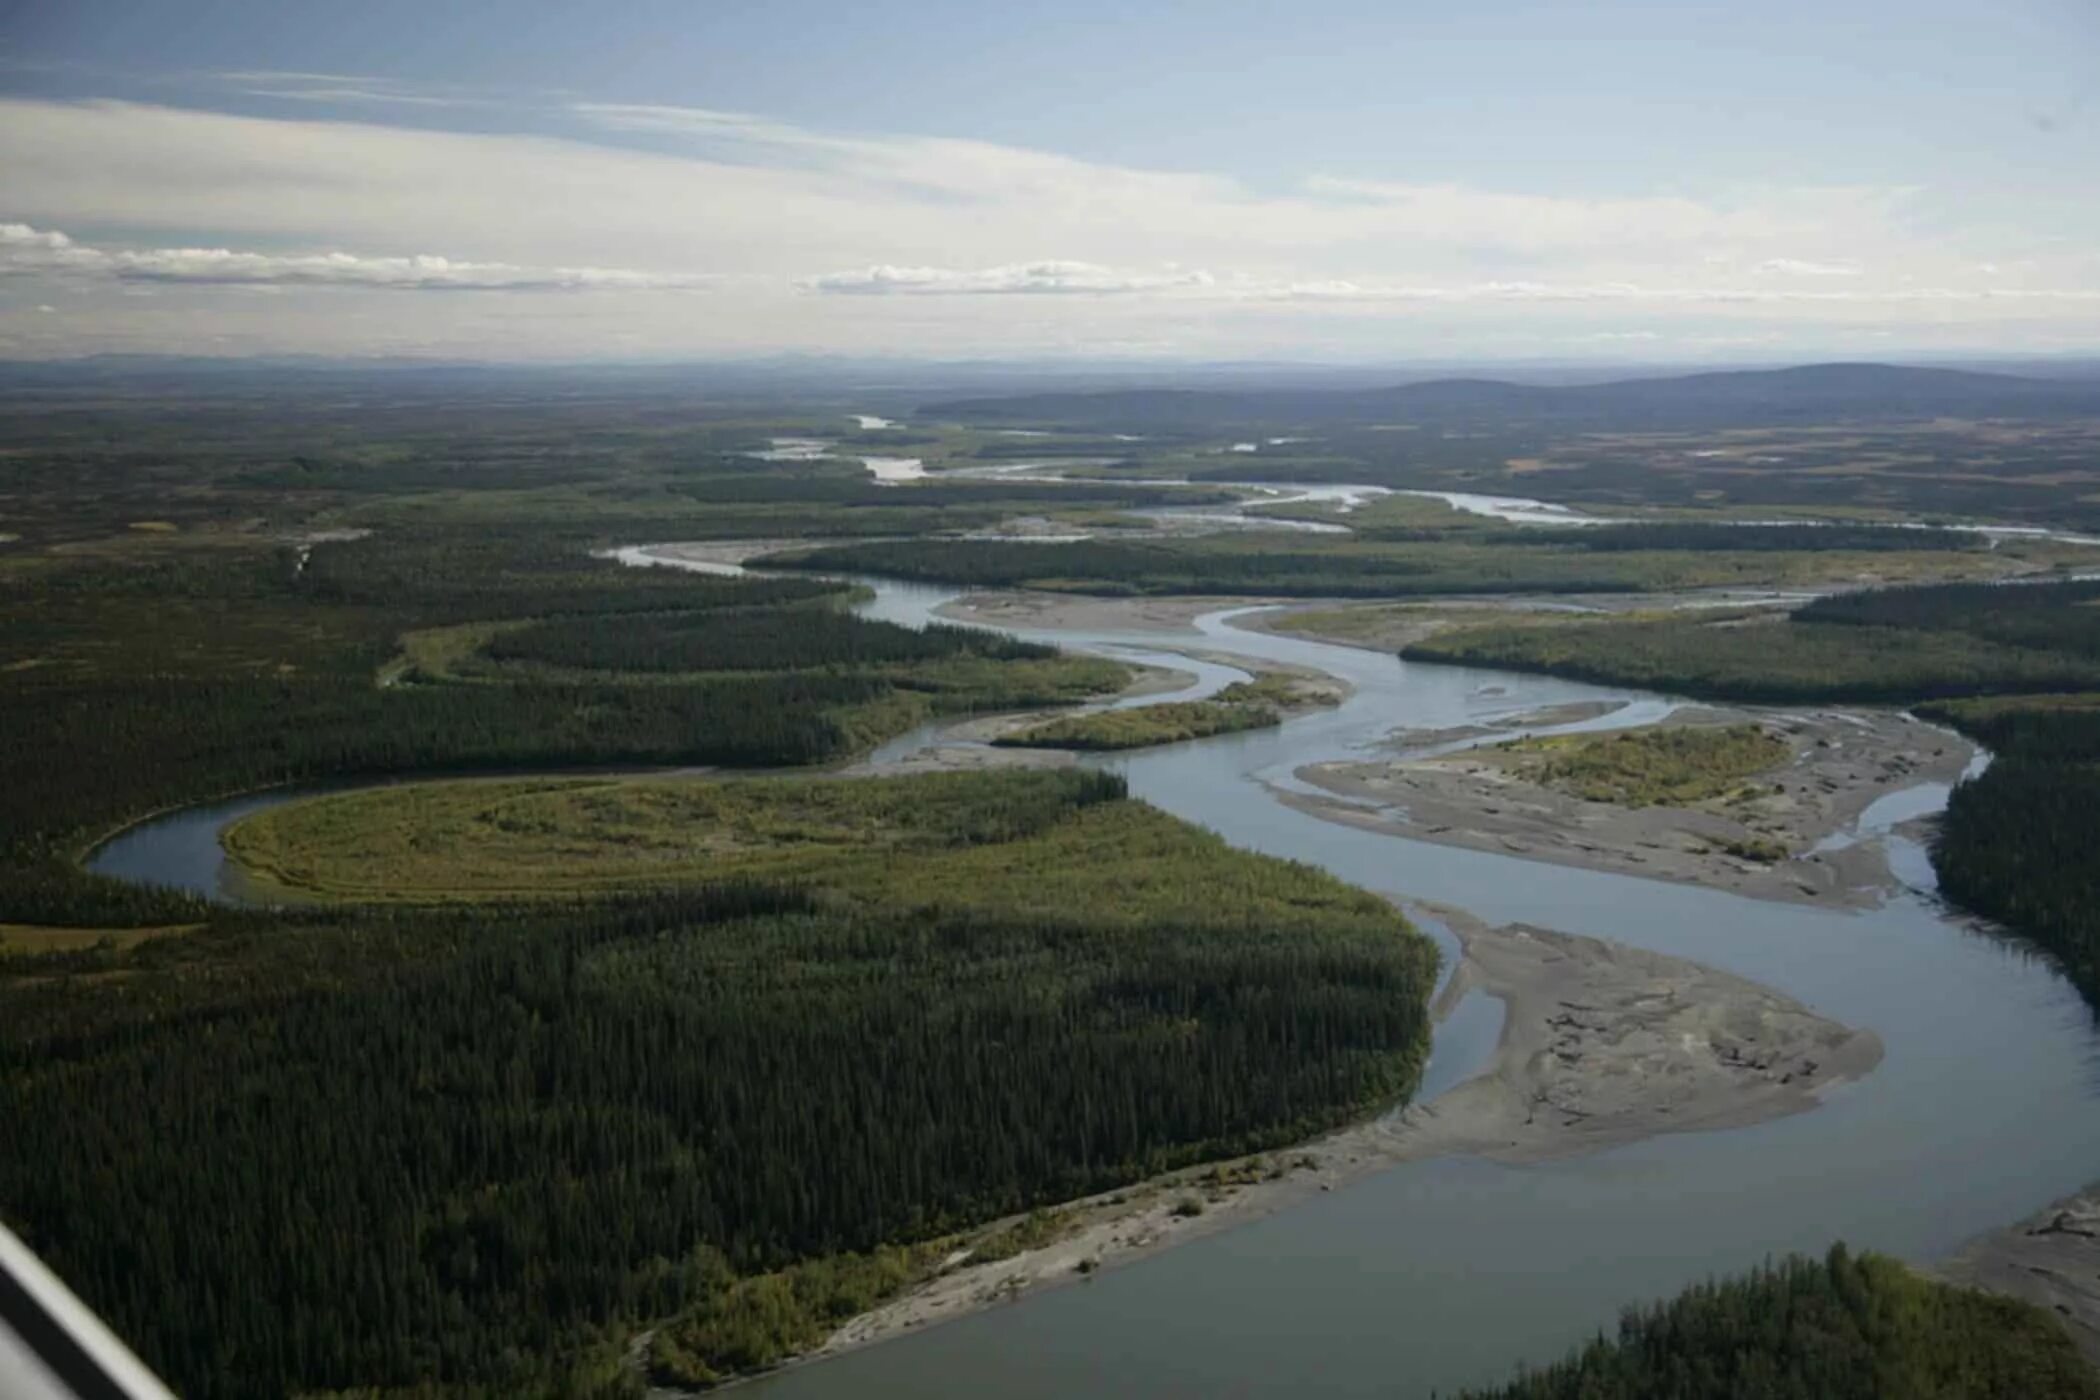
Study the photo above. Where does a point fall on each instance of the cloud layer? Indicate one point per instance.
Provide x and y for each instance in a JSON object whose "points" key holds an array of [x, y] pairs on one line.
{"points": [[26, 251], [819, 240], [1051, 277]]}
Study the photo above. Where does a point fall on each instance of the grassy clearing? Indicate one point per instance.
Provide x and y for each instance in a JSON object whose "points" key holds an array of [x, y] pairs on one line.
{"points": [[953, 840], [470, 840], [44, 938], [1651, 767], [432, 654]]}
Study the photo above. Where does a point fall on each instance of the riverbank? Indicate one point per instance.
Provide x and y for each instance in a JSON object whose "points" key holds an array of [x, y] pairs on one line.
{"points": [[1602, 1044], [1391, 627], [989, 741], [1085, 612], [2052, 1259], [1790, 833]]}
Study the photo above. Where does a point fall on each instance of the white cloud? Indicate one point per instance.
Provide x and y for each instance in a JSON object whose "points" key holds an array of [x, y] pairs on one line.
{"points": [[1706, 294], [344, 88], [1029, 278], [939, 245], [693, 121], [358, 95], [27, 251], [1056, 277], [1803, 267]]}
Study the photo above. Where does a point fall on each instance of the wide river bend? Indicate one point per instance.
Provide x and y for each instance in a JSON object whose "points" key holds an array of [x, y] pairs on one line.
{"points": [[1439, 1274]]}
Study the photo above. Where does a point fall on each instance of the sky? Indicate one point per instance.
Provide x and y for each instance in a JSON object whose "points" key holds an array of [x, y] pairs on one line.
{"points": [[1341, 180]]}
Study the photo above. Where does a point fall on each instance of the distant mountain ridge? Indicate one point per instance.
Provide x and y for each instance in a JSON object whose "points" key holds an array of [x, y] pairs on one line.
{"points": [[1739, 397]]}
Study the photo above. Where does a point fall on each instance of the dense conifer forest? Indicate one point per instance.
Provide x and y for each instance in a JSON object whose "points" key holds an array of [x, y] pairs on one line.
{"points": [[759, 639], [1859, 539], [1407, 559], [1886, 646], [676, 1126], [477, 1146], [167, 674], [2018, 842], [1846, 1327], [2060, 617], [483, 1147]]}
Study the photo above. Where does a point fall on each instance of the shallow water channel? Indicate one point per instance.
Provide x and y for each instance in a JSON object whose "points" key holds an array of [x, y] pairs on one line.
{"points": [[1446, 1273]]}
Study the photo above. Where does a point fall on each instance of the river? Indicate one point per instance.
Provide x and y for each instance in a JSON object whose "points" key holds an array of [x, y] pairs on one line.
{"points": [[1451, 1272]]}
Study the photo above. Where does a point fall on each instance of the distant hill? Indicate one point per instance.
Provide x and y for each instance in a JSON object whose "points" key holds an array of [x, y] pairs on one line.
{"points": [[1745, 398]]}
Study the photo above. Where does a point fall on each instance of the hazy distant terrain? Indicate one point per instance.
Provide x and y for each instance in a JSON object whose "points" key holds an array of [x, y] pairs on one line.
{"points": [[1735, 399]]}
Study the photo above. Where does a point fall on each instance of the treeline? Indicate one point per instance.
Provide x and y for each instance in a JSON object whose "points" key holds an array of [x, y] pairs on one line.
{"points": [[1403, 558], [462, 575], [1878, 646], [1769, 661], [2005, 663], [767, 639], [136, 684], [1032, 446], [1385, 520], [1270, 565], [1703, 535], [83, 758], [863, 490], [475, 1148], [1846, 1327], [2017, 842], [1140, 726], [2063, 617]]}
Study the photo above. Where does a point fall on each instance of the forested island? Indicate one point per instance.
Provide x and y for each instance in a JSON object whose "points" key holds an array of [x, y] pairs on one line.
{"points": [[1255, 704]]}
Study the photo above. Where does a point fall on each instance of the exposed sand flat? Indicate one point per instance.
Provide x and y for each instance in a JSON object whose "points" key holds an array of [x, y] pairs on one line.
{"points": [[714, 552], [1545, 717], [1310, 688], [1601, 1044], [1080, 612], [2051, 1259], [967, 744], [960, 753], [1841, 762], [1604, 1044], [1155, 680]]}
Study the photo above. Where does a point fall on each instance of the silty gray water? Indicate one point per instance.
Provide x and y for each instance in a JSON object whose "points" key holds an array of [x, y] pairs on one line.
{"points": [[1439, 1274]]}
